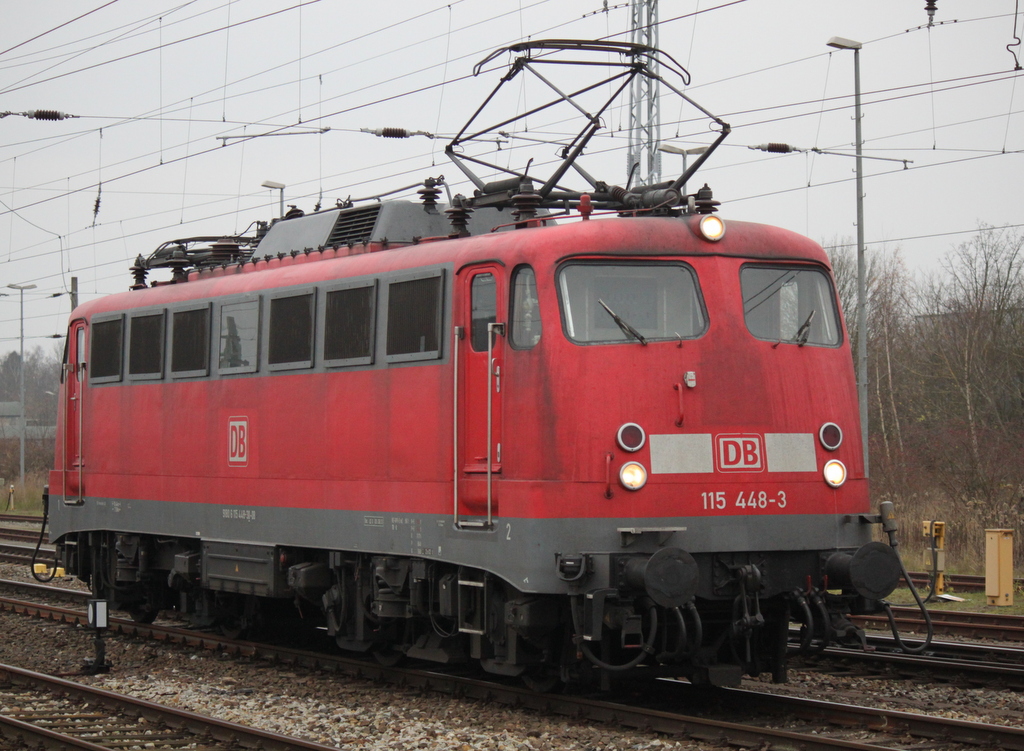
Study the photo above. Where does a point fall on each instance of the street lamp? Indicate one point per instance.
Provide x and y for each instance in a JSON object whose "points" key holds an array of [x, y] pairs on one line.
{"points": [[862, 303], [670, 149], [276, 186], [21, 289]]}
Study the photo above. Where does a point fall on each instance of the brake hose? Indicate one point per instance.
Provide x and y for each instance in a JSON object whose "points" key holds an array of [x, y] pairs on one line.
{"points": [[646, 649], [889, 526], [39, 544]]}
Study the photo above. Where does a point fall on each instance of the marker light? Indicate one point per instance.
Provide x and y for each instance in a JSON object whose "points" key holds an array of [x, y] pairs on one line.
{"points": [[835, 473], [712, 228], [631, 437], [830, 435], [633, 476]]}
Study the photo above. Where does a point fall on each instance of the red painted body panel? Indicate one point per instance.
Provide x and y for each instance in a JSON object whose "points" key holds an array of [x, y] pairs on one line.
{"points": [[380, 440]]}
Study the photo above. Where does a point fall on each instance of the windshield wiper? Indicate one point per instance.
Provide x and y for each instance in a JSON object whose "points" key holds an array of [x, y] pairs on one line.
{"points": [[626, 328], [804, 331]]}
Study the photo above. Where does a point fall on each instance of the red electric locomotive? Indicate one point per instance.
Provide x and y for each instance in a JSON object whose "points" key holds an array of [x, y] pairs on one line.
{"points": [[578, 444]]}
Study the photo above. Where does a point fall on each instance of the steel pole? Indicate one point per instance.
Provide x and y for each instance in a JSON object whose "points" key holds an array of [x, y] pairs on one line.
{"points": [[21, 368], [862, 295]]}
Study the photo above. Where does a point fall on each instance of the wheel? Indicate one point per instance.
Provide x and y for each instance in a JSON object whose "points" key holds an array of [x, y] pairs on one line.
{"points": [[387, 656], [542, 680], [144, 614], [233, 628]]}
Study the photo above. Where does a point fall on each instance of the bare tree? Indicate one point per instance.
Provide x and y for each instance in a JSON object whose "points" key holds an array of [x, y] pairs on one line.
{"points": [[971, 365]]}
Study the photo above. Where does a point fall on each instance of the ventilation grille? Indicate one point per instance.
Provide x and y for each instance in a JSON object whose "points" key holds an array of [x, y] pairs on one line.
{"points": [[354, 226]]}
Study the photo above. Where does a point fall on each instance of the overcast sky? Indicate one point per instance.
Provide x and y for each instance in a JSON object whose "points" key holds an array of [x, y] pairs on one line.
{"points": [[152, 85]]}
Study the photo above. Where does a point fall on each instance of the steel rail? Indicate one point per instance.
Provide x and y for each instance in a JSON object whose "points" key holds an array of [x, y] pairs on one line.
{"points": [[930, 668], [21, 518], [963, 623], [957, 582], [119, 708], [14, 552], [940, 730], [13, 533], [45, 589]]}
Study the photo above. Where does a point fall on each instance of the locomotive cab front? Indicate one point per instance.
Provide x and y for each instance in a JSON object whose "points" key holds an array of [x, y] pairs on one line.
{"points": [[706, 401]]}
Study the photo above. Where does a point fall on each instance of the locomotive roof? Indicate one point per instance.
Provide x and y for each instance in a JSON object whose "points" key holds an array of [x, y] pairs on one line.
{"points": [[602, 237]]}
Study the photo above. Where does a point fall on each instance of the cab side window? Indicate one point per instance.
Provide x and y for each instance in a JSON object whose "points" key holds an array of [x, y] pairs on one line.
{"points": [[525, 315]]}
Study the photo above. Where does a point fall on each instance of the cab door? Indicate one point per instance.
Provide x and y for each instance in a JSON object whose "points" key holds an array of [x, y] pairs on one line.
{"points": [[481, 349], [74, 406]]}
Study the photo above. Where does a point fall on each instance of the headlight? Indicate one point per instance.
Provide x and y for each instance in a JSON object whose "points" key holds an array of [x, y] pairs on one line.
{"points": [[633, 476], [835, 473], [712, 228]]}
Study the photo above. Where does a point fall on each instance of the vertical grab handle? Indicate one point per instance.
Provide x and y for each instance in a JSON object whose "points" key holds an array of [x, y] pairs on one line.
{"points": [[679, 388], [608, 474]]}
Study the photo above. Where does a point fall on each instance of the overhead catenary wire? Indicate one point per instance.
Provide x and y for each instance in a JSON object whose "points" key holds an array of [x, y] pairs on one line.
{"points": [[702, 11], [991, 76], [128, 56]]}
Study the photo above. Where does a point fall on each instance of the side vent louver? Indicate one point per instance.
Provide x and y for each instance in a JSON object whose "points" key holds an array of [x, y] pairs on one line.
{"points": [[354, 226]]}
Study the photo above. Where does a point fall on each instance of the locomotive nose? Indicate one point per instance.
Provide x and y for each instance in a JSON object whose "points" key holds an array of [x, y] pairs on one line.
{"points": [[669, 577], [873, 571]]}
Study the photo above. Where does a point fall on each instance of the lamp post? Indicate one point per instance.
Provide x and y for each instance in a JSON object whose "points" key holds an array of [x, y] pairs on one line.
{"points": [[670, 149], [862, 309], [21, 467], [276, 186]]}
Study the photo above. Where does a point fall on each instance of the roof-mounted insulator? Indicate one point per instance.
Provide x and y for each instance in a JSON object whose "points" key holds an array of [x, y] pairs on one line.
{"points": [[458, 216], [139, 271], [525, 203], [179, 264], [704, 202], [428, 194], [224, 251]]}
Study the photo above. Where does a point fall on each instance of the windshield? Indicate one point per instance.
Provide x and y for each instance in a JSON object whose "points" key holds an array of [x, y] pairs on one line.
{"points": [[603, 302], [790, 304]]}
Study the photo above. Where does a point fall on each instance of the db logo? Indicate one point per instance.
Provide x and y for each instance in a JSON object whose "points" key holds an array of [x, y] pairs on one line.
{"points": [[740, 453], [238, 441]]}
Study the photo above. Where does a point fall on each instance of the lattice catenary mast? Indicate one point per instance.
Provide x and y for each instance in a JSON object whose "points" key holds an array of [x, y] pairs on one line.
{"points": [[644, 113]]}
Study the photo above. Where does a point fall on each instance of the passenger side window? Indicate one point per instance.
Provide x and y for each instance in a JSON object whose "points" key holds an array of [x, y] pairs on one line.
{"points": [[146, 346], [414, 319], [106, 350], [291, 331], [349, 316], [190, 342], [239, 336]]}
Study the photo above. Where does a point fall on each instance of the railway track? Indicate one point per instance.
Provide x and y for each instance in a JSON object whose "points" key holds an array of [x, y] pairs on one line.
{"points": [[22, 552], [22, 535], [21, 528], [19, 519], [951, 622], [823, 725], [969, 666], [957, 582], [53, 713]]}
